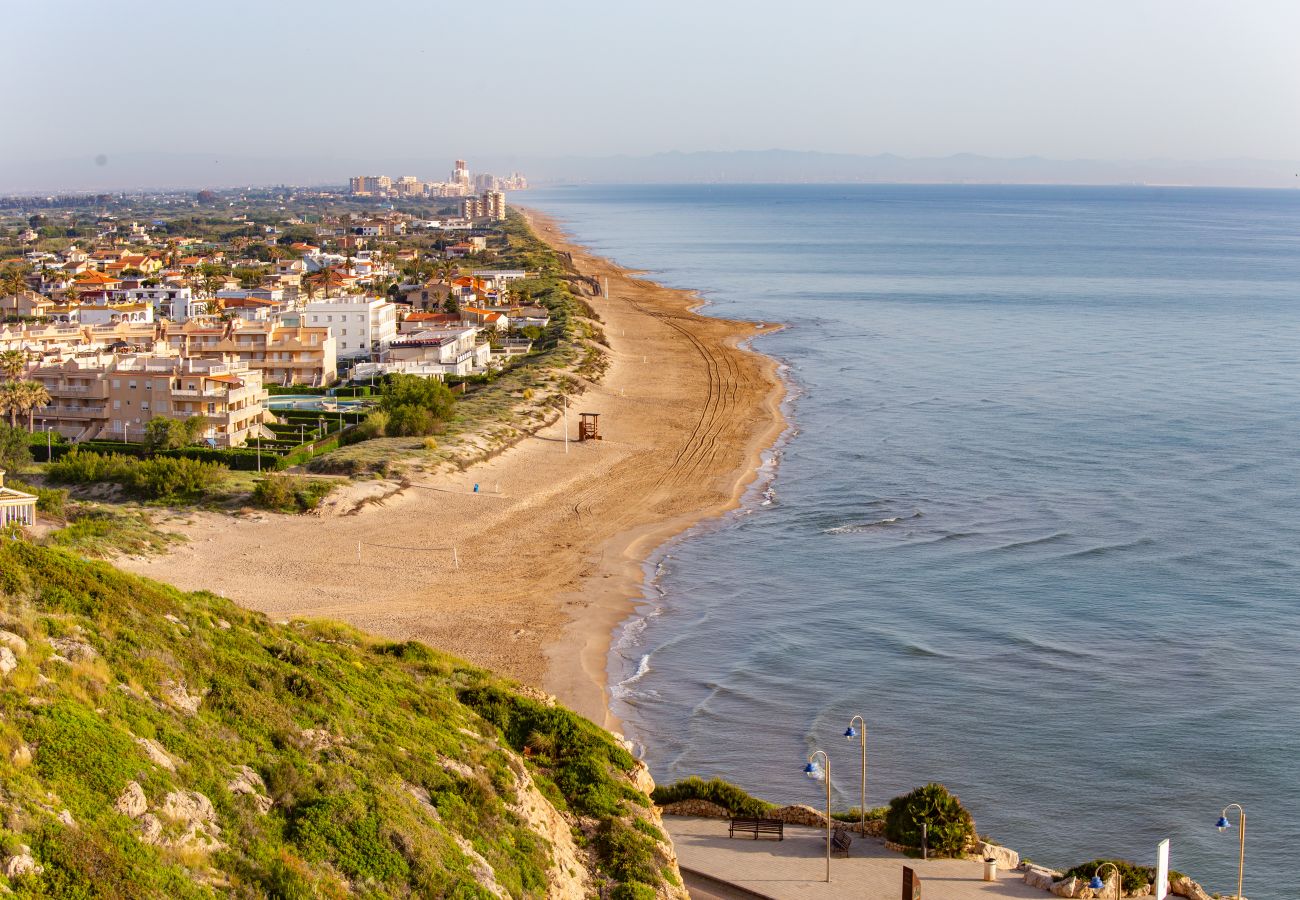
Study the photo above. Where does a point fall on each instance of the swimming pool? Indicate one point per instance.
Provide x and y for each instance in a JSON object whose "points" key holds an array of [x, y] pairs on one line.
{"points": [[313, 402]]}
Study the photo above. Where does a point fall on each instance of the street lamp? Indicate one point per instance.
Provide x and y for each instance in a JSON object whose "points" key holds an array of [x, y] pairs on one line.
{"points": [[1223, 825], [817, 773], [1098, 885], [860, 732]]}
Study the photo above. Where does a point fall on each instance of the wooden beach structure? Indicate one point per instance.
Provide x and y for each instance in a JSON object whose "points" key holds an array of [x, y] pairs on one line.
{"points": [[589, 426], [16, 507]]}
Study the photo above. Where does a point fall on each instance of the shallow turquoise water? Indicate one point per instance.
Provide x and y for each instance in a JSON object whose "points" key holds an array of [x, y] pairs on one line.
{"points": [[1038, 522]]}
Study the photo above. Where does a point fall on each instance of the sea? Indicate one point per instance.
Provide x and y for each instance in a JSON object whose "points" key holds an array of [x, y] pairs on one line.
{"points": [[1036, 518]]}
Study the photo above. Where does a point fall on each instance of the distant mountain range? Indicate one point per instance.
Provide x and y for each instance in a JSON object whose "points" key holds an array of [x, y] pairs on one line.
{"points": [[138, 171]]}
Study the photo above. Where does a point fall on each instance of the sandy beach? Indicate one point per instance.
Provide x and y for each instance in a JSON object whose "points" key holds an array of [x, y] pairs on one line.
{"points": [[547, 557]]}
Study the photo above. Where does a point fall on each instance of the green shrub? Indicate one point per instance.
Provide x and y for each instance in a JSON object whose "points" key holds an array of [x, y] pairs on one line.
{"points": [[1132, 876], [951, 828], [88, 468], [428, 394], [161, 478], [715, 790], [375, 425], [632, 891], [15, 449], [290, 493], [410, 421], [347, 832]]}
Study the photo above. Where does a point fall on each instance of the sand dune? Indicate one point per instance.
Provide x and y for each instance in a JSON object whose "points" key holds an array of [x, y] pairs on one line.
{"points": [[549, 553]]}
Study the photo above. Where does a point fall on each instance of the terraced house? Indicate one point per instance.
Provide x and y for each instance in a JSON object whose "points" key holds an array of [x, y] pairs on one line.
{"points": [[111, 396], [284, 354]]}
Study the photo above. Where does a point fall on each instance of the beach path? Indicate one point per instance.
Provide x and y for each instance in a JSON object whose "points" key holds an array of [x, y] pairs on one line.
{"points": [[793, 869]]}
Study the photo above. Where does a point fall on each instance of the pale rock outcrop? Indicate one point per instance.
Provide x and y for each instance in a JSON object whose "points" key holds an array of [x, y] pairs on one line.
{"points": [[13, 642], [73, 650], [151, 829], [1186, 887], [157, 755], [8, 662], [567, 877], [1071, 887], [65, 818], [1040, 877], [318, 739], [21, 863], [248, 783], [175, 693], [195, 813], [453, 765], [1007, 858], [21, 755], [641, 779], [132, 803], [480, 869]]}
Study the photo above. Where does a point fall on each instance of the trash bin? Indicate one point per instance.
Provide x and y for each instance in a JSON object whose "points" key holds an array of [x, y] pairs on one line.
{"points": [[990, 869]]}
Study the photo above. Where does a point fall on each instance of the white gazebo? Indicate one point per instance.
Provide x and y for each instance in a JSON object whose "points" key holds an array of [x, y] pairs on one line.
{"points": [[16, 508]]}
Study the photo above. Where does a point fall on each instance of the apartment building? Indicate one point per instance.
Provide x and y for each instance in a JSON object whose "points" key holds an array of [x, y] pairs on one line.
{"points": [[284, 354], [445, 351], [113, 396], [361, 326]]}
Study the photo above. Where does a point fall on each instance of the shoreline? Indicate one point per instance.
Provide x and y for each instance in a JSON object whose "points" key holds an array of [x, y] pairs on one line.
{"points": [[627, 557], [550, 556]]}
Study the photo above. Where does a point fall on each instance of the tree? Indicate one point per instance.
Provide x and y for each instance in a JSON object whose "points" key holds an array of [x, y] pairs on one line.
{"points": [[422, 393], [15, 452], [451, 305], [163, 433], [11, 401], [12, 363], [32, 395], [13, 280]]}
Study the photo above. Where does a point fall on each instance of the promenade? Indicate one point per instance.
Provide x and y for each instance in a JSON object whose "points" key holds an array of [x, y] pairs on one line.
{"points": [[793, 869]]}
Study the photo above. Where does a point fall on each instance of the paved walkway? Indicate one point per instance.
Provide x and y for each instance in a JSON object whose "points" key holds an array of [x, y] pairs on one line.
{"points": [[793, 869]]}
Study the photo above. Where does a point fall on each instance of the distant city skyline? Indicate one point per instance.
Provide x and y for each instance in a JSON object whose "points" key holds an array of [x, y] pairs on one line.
{"points": [[242, 96]]}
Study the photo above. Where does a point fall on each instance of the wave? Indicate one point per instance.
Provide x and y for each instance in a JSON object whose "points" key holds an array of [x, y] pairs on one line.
{"points": [[1103, 549], [856, 527], [623, 689], [1032, 542]]}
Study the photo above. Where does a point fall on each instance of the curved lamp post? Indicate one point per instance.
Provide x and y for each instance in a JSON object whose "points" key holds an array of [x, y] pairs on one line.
{"points": [[817, 773], [860, 732], [1097, 884], [1223, 825]]}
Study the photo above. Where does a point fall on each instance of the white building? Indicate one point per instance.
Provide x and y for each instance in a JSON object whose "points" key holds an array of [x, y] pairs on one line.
{"points": [[171, 302], [448, 351], [361, 326]]}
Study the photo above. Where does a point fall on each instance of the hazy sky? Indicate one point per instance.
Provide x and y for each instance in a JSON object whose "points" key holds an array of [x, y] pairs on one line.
{"points": [[1189, 79]]}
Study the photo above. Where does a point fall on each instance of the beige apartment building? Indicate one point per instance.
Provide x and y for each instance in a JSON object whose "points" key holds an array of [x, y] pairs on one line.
{"points": [[284, 354], [112, 396]]}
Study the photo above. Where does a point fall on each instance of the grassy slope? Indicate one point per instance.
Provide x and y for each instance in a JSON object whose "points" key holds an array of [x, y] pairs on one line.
{"points": [[382, 760]]}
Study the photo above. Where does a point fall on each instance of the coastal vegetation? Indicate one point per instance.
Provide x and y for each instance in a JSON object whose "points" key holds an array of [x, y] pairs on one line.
{"points": [[950, 829], [1132, 876], [725, 794], [290, 493], [161, 743], [160, 479]]}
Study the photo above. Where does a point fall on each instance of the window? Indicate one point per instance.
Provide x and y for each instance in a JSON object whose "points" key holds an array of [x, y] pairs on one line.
{"points": [[212, 408], [144, 407], [117, 404], [131, 385], [117, 382]]}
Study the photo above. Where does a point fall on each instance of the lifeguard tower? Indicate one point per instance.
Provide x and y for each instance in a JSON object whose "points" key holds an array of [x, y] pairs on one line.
{"points": [[589, 427]]}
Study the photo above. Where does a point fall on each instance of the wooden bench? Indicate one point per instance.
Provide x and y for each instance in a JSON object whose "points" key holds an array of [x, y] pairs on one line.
{"points": [[756, 826], [841, 840]]}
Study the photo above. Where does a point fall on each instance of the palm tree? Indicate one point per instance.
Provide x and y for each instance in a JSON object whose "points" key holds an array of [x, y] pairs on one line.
{"points": [[33, 395], [11, 401], [12, 363], [13, 280]]}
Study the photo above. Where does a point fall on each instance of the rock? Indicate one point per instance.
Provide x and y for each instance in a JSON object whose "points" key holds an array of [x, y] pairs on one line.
{"points": [[73, 649], [174, 692], [65, 817], [1007, 858], [188, 806], [1069, 887], [21, 863], [157, 755], [696, 808], [641, 778], [8, 662], [151, 829], [21, 755], [13, 642], [1186, 887], [132, 803], [175, 621], [249, 783], [1039, 877], [223, 624]]}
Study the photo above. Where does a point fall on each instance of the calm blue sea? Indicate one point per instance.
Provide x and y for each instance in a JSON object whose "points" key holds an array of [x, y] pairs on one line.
{"points": [[1037, 520]]}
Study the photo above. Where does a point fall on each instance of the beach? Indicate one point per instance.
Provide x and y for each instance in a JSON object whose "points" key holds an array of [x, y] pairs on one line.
{"points": [[531, 574]]}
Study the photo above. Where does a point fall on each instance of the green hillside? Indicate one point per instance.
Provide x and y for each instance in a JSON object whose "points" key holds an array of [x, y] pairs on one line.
{"points": [[155, 743]]}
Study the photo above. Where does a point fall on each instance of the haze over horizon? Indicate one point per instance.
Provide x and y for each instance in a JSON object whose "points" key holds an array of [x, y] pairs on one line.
{"points": [[300, 93]]}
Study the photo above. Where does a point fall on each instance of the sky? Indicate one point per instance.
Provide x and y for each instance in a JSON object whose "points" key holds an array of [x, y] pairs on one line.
{"points": [[409, 79]]}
